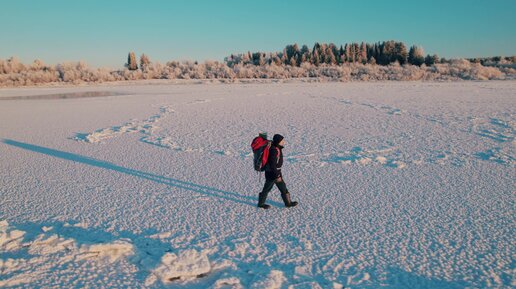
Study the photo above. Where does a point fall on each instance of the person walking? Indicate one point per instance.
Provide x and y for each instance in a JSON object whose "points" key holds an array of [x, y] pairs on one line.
{"points": [[273, 174]]}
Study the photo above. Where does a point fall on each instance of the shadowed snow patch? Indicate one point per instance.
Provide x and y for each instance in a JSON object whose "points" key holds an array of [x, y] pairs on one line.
{"points": [[110, 251]]}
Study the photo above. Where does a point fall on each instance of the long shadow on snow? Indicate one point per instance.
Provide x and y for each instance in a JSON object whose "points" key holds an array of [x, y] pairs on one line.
{"points": [[230, 196]]}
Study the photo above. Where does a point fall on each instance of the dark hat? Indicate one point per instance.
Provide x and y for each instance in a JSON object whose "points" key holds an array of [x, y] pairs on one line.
{"points": [[277, 138]]}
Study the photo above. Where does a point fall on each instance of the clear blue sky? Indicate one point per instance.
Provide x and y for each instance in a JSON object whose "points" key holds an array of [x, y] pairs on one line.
{"points": [[102, 32]]}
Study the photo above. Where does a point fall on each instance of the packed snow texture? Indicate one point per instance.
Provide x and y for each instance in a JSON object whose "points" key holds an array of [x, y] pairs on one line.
{"points": [[401, 185]]}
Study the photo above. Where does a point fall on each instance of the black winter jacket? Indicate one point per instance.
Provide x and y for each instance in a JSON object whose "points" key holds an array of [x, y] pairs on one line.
{"points": [[274, 162]]}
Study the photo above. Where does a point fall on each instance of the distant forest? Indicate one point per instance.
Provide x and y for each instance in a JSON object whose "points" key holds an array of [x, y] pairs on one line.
{"points": [[387, 60], [382, 53]]}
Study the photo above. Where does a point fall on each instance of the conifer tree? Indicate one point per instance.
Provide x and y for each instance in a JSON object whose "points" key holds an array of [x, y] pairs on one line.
{"points": [[431, 59], [131, 61], [416, 55], [305, 54], [347, 53], [401, 52], [315, 57], [363, 53]]}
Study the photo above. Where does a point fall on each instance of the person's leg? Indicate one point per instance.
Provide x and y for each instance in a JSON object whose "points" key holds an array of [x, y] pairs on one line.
{"points": [[281, 186], [262, 197], [285, 195]]}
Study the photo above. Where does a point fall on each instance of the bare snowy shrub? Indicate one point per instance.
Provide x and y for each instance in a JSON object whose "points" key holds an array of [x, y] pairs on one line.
{"points": [[360, 72], [330, 71], [12, 65], [411, 72], [464, 69], [345, 73], [243, 71], [132, 74], [105, 74], [276, 71], [67, 72], [298, 72], [510, 73]]}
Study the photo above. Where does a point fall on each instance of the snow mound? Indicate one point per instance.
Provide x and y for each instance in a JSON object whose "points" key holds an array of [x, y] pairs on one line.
{"points": [[10, 239], [188, 264], [110, 251]]}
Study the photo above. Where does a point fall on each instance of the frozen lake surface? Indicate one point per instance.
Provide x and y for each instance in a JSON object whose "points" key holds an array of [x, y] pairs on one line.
{"points": [[400, 184]]}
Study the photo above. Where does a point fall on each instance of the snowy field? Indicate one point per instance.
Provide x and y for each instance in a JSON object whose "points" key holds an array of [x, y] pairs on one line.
{"points": [[400, 184]]}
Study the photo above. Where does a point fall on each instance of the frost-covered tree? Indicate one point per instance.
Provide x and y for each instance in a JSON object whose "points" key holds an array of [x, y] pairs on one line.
{"points": [[315, 57], [323, 53], [131, 61], [144, 61], [435, 58], [329, 56], [316, 54], [255, 58], [416, 55], [363, 53], [377, 51], [347, 53], [276, 59], [335, 52], [305, 54], [341, 55], [431, 59], [401, 52], [388, 53], [246, 58], [293, 60], [352, 53], [284, 57], [356, 52]]}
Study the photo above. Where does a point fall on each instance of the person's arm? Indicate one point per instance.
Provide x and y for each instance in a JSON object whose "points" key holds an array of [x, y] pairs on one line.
{"points": [[273, 162]]}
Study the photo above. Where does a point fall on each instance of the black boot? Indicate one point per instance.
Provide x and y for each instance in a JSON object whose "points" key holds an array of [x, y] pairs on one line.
{"points": [[287, 201], [261, 201]]}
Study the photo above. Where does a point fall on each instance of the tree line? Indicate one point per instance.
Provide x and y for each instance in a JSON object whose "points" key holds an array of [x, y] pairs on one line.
{"points": [[388, 60], [381, 53]]}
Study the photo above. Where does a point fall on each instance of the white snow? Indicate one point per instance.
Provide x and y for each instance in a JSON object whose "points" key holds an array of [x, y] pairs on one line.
{"points": [[10, 239], [400, 184], [189, 263], [111, 251]]}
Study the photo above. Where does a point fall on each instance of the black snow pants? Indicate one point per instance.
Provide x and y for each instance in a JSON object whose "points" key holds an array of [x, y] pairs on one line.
{"points": [[269, 184]]}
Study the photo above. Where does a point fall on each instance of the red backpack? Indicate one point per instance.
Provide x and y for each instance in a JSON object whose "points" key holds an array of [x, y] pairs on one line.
{"points": [[260, 148]]}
